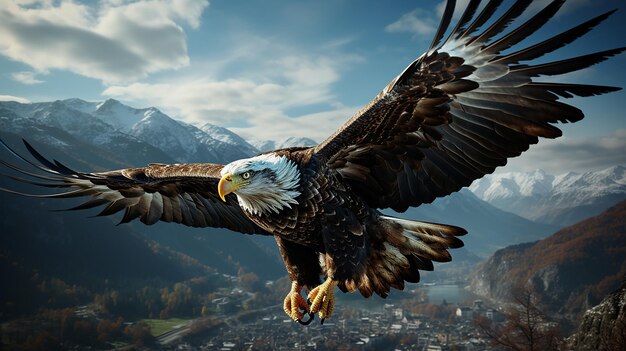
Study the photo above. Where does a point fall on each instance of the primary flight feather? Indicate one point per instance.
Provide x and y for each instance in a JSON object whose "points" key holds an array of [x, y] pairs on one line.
{"points": [[453, 115]]}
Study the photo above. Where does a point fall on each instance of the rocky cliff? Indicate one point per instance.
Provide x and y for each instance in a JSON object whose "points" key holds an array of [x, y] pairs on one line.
{"points": [[604, 326]]}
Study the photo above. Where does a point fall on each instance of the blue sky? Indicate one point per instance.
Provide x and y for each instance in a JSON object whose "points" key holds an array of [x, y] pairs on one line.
{"points": [[271, 69]]}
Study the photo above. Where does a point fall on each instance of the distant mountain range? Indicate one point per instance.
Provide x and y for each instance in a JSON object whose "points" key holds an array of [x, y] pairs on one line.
{"points": [[117, 127], [268, 145], [562, 200], [572, 270], [111, 135]]}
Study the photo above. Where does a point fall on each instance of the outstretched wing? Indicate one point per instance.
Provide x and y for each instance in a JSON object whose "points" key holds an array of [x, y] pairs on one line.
{"points": [[180, 193], [461, 109]]}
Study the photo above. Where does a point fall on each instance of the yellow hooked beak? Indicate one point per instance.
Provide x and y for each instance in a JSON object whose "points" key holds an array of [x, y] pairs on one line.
{"points": [[229, 184]]}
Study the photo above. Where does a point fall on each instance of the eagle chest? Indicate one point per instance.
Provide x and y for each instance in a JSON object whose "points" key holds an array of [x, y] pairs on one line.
{"points": [[301, 223]]}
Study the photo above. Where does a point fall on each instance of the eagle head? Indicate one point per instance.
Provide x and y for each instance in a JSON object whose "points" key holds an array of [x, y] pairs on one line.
{"points": [[263, 184]]}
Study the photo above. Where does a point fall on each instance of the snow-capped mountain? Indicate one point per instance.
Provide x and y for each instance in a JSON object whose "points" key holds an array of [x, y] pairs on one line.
{"points": [[115, 126], [562, 199], [120, 116], [165, 133], [59, 125], [82, 105], [227, 142], [492, 188], [267, 145], [184, 142]]}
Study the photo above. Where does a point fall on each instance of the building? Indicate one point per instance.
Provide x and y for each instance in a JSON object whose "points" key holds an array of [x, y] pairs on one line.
{"points": [[465, 313]]}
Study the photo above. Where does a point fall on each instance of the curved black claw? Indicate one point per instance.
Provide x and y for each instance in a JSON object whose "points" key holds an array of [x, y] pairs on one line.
{"points": [[322, 321], [311, 318]]}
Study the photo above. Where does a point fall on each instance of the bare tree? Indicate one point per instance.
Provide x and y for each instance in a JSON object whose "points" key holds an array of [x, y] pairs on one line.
{"points": [[526, 326]]}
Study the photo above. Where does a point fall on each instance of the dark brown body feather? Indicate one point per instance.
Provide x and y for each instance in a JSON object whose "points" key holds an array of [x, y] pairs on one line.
{"points": [[352, 242]]}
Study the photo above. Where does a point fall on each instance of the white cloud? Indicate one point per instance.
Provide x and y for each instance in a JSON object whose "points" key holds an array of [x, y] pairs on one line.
{"points": [[26, 77], [113, 42], [272, 81], [14, 98], [418, 22], [317, 126], [573, 154]]}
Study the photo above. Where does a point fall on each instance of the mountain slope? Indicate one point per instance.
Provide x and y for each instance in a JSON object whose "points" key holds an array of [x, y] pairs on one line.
{"points": [[572, 269], [88, 255], [561, 200]]}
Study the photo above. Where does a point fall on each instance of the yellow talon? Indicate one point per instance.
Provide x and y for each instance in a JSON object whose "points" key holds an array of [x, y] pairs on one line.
{"points": [[294, 303], [323, 299]]}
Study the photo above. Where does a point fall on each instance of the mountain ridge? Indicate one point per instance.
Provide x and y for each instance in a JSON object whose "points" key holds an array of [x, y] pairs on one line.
{"points": [[110, 123], [562, 199]]}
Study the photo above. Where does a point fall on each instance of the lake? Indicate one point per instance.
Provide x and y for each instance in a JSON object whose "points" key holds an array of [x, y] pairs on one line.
{"points": [[452, 293]]}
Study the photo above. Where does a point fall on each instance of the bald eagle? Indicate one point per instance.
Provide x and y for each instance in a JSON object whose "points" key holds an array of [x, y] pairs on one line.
{"points": [[454, 114]]}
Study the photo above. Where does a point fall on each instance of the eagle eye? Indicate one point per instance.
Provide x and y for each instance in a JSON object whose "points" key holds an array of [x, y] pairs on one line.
{"points": [[245, 175]]}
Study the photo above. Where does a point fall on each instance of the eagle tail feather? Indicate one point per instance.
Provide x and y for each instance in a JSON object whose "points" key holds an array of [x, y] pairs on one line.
{"points": [[408, 247]]}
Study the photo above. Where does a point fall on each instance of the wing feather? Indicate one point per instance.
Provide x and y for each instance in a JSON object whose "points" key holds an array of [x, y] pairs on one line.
{"points": [[525, 30], [184, 193], [565, 66], [467, 15], [551, 44], [483, 17], [462, 109], [445, 22], [503, 22]]}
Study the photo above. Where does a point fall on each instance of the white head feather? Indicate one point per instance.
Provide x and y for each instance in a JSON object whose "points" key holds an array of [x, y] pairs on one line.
{"points": [[273, 184]]}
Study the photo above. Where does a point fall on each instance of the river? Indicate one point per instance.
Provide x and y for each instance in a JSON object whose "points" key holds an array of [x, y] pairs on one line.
{"points": [[452, 293]]}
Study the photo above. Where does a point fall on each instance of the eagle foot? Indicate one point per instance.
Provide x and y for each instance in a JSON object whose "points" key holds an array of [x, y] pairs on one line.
{"points": [[322, 299], [295, 305]]}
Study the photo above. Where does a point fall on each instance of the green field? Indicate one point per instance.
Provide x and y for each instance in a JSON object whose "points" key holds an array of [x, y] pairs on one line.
{"points": [[160, 326]]}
